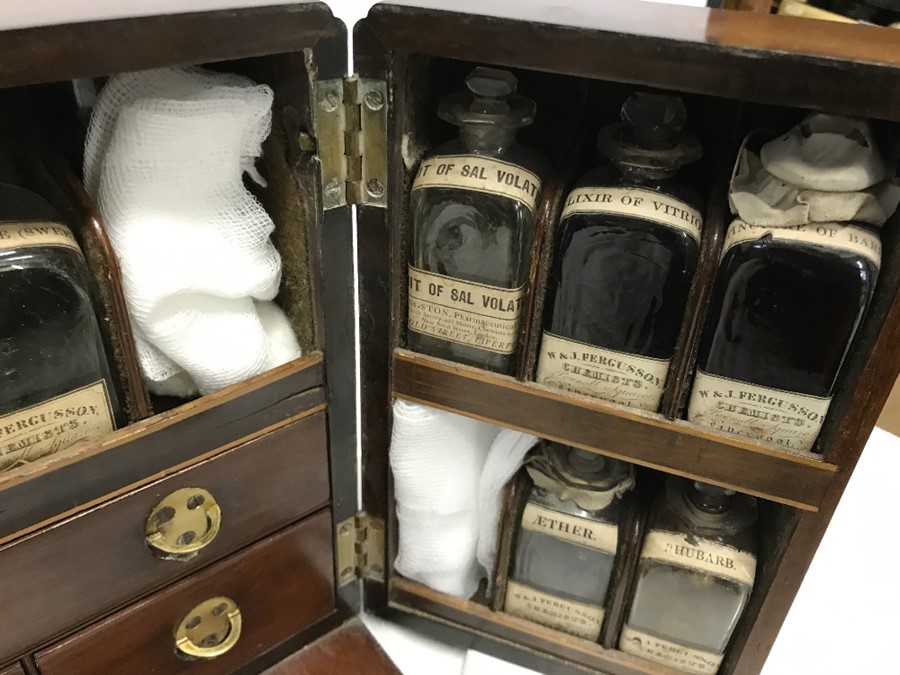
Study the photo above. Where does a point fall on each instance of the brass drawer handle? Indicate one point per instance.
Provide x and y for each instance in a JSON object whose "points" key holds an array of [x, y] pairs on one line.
{"points": [[209, 630], [183, 523]]}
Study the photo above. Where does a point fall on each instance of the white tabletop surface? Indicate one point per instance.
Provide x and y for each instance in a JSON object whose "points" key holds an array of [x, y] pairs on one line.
{"points": [[846, 617]]}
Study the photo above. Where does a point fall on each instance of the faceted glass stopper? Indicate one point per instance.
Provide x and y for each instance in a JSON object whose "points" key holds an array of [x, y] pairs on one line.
{"points": [[651, 135], [655, 121], [489, 98], [490, 88]]}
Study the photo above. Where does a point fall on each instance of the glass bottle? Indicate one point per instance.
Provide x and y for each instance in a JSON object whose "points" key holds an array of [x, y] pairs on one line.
{"points": [[695, 573], [626, 251], [472, 209], [57, 389], [785, 307], [566, 545]]}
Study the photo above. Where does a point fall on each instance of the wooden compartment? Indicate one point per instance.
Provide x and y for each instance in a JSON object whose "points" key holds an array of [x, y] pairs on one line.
{"points": [[326, 155], [280, 586], [14, 669], [744, 58], [41, 101], [284, 477]]}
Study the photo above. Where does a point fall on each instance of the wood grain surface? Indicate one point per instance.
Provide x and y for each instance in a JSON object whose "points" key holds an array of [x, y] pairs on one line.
{"points": [[348, 650], [49, 489], [649, 440], [281, 585], [261, 487]]}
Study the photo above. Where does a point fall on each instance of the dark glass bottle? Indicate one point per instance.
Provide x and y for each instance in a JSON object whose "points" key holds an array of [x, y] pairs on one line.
{"points": [[566, 546], [626, 252], [695, 574], [472, 209], [785, 306], [57, 388]]}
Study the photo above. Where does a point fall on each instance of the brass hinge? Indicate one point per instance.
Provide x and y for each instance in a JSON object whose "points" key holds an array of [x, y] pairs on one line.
{"points": [[351, 138], [360, 549]]}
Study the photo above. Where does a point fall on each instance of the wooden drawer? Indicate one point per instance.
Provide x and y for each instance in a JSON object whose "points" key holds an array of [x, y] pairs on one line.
{"points": [[13, 670], [63, 576], [280, 585]]}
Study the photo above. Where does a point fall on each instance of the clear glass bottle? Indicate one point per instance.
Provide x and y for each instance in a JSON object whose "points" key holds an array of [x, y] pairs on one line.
{"points": [[472, 228], [57, 389], [566, 546], [626, 252], [785, 307], [695, 574]]}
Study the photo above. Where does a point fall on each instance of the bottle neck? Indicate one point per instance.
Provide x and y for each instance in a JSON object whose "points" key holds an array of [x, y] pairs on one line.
{"points": [[641, 174], [487, 139], [710, 499]]}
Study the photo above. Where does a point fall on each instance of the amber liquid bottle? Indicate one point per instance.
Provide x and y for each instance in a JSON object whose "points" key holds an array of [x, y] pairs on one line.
{"points": [[625, 255], [566, 545], [695, 574], [785, 307], [472, 211], [57, 389]]}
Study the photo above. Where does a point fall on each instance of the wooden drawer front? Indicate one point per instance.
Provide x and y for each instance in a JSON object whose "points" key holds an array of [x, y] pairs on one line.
{"points": [[66, 575], [280, 585], [13, 670]]}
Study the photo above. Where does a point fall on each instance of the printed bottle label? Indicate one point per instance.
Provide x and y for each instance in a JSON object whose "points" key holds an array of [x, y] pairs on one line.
{"points": [[54, 425], [652, 648], [568, 616], [703, 555], [783, 419], [481, 174], [35, 234], [830, 235], [464, 312], [636, 203], [628, 379], [573, 529]]}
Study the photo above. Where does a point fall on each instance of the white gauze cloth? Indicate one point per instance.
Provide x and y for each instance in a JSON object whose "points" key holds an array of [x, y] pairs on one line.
{"points": [[436, 459], [503, 461], [826, 169], [164, 159]]}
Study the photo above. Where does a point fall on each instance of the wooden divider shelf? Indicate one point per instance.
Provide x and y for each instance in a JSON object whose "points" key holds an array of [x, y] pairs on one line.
{"points": [[673, 446]]}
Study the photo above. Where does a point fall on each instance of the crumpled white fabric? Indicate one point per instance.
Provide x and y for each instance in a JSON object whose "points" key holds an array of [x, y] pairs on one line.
{"points": [[448, 495], [503, 461], [436, 459], [827, 169], [165, 155]]}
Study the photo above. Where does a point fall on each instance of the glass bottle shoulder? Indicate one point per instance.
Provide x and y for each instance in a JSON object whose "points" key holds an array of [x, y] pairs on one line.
{"points": [[545, 498]]}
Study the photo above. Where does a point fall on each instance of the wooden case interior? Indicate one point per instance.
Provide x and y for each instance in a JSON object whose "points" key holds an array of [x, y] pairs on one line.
{"points": [[579, 77], [573, 104]]}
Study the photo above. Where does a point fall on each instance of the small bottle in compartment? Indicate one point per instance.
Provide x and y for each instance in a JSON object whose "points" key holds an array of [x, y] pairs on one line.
{"points": [[626, 252], [791, 291], [695, 574], [57, 388], [566, 545], [472, 228]]}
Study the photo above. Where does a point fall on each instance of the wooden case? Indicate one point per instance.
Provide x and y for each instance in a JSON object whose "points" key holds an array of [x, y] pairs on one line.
{"points": [[343, 143]]}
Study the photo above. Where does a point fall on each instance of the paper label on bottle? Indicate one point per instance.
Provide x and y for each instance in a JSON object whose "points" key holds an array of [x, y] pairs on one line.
{"points": [[628, 379], [830, 235], [703, 555], [465, 312], [568, 616], [652, 648], [481, 174], [782, 419], [29, 235], [51, 426], [636, 203], [602, 537]]}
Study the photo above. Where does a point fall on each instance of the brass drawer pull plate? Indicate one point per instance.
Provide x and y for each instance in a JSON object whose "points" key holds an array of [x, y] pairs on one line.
{"points": [[209, 630], [183, 523]]}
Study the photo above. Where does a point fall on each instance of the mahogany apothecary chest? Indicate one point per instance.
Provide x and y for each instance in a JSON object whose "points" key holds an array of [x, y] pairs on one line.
{"points": [[266, 473]]}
